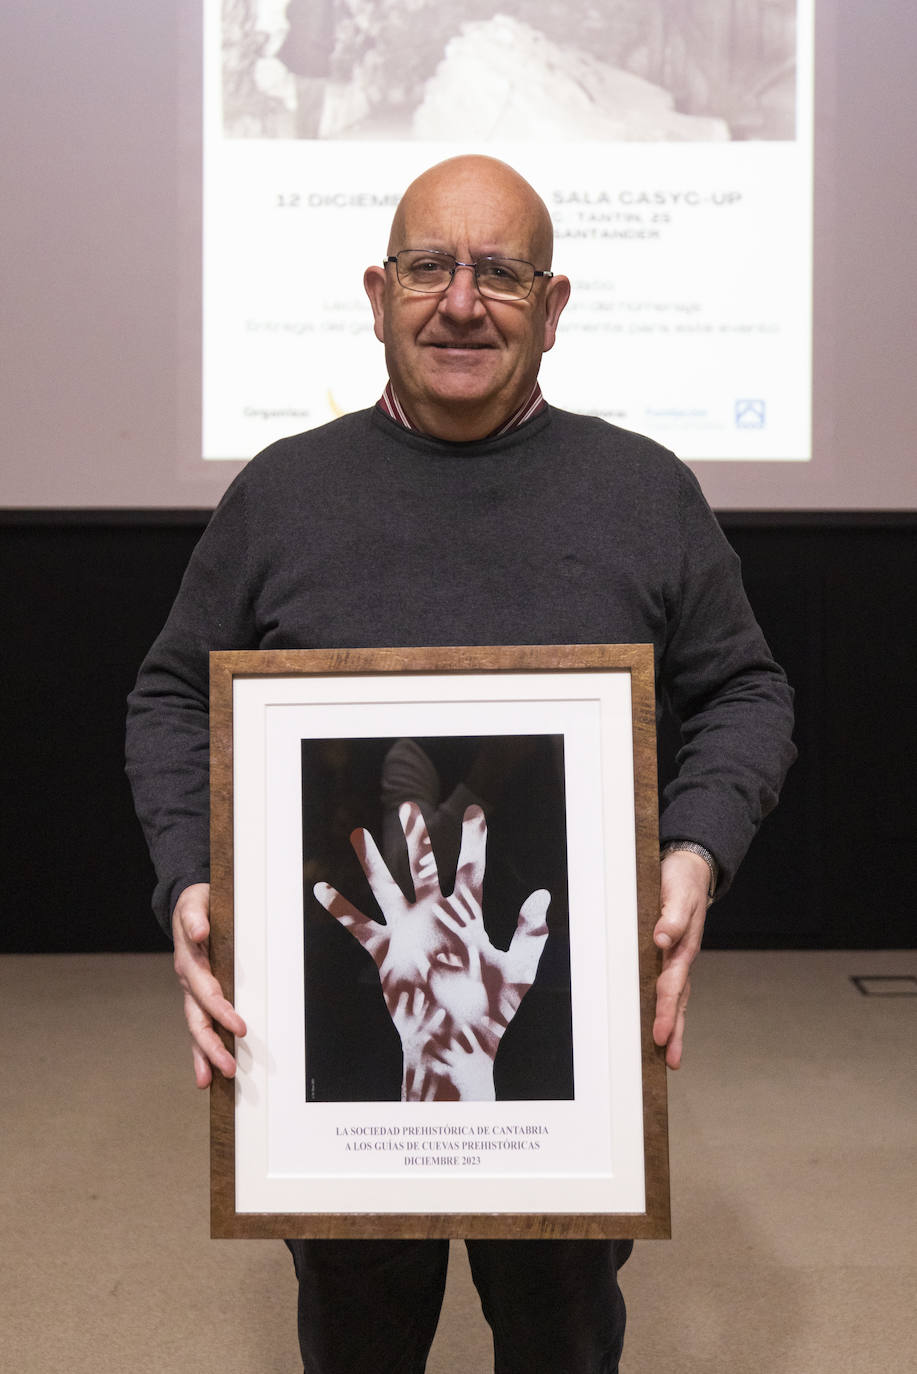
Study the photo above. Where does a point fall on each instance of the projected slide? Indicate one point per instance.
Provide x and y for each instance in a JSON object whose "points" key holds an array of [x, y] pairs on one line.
{"points": [[672, 143]]}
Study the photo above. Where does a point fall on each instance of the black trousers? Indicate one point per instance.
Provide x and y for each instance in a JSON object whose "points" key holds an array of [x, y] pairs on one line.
{"points": [[371, 1306]]}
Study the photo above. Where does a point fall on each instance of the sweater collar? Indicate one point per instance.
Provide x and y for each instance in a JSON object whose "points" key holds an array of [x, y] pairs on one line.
{"points": [[533, 405]]}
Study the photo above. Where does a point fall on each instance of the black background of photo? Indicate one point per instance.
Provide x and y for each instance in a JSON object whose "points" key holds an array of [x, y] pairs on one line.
{"points": [[353, 1053]]}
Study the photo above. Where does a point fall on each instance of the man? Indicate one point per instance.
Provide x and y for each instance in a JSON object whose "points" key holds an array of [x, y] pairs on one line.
{"points": [[463, 509]]}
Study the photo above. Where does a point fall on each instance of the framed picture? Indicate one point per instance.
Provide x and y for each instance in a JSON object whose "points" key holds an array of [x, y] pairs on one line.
{"points": [[435, 878]]}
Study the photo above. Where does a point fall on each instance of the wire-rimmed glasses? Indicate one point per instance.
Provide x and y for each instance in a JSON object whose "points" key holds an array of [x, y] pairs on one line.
{"points": [[500, 279]]}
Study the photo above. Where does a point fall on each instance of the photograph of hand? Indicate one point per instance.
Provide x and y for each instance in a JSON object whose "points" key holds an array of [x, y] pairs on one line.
{"points": [[436, 919], [450, 992]]}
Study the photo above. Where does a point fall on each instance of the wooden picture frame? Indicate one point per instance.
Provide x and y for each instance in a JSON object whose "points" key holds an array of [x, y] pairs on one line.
{"points": [[532, 1099]]}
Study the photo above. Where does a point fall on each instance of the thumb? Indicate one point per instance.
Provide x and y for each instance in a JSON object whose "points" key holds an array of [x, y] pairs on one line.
{"points": [[529, 938]]}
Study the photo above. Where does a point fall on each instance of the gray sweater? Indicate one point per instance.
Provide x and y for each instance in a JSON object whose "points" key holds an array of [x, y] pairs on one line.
{"points": [[566, 531]]}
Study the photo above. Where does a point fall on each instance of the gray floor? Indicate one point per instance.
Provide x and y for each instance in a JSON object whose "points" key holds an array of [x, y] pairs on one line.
{"points": [[794, 1170]]}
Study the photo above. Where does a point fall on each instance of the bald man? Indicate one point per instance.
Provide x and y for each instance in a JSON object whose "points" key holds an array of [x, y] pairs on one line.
{"points": [[462, 509], [459, 360]]}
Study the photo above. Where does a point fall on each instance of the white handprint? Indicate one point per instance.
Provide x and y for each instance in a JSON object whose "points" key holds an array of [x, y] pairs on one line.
{"points": [[450, 993], [467, 1063]]}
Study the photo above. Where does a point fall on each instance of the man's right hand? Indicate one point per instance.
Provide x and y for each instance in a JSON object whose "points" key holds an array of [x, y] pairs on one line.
{"points": [[204, 1000]]}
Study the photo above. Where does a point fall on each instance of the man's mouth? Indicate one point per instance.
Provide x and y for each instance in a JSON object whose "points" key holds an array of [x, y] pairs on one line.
{"points": [[458, 344]]}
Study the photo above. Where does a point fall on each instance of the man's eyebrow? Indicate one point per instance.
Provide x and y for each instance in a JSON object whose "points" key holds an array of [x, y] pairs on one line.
{"points": [[418, 244], [436, 245]]}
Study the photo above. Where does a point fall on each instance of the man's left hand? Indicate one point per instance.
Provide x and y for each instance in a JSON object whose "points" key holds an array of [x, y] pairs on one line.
{"points": [[685, 880]]}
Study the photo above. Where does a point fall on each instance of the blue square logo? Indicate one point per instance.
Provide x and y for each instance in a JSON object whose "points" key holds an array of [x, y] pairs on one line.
{"points": [[751, 414]]}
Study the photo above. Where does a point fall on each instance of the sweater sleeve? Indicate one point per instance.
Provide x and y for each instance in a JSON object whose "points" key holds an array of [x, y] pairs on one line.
{"points": [[731, 699], [168, 734]]}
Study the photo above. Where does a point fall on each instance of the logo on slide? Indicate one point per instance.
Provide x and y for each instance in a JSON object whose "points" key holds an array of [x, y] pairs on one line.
{"points": [[751, 414]]}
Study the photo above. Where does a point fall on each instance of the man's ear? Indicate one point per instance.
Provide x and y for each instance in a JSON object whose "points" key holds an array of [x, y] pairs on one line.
{"points": [[557, 293], [374, 286]]}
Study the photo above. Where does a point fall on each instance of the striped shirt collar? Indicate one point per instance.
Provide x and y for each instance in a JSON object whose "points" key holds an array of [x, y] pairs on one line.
{"points": [[534, 405]]}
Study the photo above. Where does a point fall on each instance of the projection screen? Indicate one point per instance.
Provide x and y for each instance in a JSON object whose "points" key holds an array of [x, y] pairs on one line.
{"points": [[672, 143]]}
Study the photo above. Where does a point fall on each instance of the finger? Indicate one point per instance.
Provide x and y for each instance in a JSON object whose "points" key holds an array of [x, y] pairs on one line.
{"points": [[435, 1026], [529, 938], [684, 882], [421, 1017], [675, 1048], [533, 914], [418, 1006], [370, 934], [454, 917], [421, 858], [191, 917], [398, 1010], [192, 967], [204, 1002], [469, 877], [385, 890], [489, 1031], [207, 1047], [673, 988], [678, 933], [419, 1084], [674, 1043], [670, 987], [192, 924], [469, 1040], [674, 924], [474, 963], [203, 1074]]}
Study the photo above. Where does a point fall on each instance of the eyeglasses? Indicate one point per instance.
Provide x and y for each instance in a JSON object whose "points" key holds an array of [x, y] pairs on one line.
{"points": [[500, 279]]}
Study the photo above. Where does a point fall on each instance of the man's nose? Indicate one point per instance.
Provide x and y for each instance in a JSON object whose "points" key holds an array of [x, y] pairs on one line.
{"points": [[462, 299]]}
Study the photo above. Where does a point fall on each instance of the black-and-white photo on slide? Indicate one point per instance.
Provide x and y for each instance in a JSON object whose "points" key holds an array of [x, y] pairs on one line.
{"points": [[624, 71]]}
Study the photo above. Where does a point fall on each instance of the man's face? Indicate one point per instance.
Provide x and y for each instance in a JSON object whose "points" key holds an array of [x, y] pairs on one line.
{"points": [[460, 362]]}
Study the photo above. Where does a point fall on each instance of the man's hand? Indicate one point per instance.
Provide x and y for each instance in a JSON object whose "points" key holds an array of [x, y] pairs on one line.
{"points": [[685, 880], [204, 1000]]}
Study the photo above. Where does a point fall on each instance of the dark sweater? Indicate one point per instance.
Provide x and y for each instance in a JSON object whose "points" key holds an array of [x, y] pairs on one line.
{"points": [[566, 531]]}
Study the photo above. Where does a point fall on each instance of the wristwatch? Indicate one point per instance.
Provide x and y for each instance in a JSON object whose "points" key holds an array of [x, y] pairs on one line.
{"points": [[693, 847]]}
